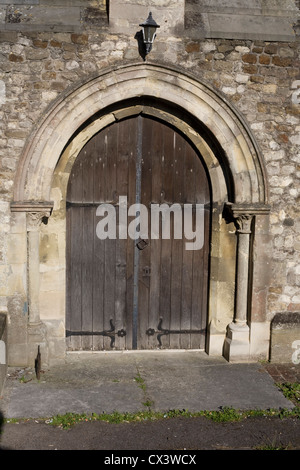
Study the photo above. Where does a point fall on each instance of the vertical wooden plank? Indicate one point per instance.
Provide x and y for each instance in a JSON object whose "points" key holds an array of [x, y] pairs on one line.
{"points": [[187, 267], [110, 244], [75, 261], [166, 244], [68, 275], [177, 244], [145, 254], [205, 197], [99, 245], [87, 275], [204, 303], [200, 268], [155, 265], [134, 232], [131, 142], [87, 245], [109, 288], [121, 244]]}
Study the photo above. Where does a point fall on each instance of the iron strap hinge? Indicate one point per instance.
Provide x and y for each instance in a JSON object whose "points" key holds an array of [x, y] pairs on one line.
{"points": [[164, 332], [110, 333]]}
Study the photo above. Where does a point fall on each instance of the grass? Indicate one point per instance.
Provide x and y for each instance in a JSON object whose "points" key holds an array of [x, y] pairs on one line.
{"points": [[291, 391], [142, 385], [222, 415], [140, 381], [273, 446]]}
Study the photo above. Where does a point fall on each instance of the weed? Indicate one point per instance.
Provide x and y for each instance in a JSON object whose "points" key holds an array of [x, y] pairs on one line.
{"points": [[272, 447], [148, 403], [177, 413], [274, 444], [67, 420], [224, 414], [291, 391], [141, 384], [24, 380], [140, 381]]}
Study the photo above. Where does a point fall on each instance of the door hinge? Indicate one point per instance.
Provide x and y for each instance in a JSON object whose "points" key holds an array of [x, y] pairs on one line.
{"points": [[164, 332], [110, 333]]}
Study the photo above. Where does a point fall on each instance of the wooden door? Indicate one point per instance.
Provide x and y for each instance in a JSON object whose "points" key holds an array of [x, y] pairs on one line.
{"points": [[143, 293]]}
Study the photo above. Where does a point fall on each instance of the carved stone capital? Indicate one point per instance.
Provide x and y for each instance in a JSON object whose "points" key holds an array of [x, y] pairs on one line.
{"points": [[34, 219], [243, 214], [243, 223], [35, 212], [237, 209]]}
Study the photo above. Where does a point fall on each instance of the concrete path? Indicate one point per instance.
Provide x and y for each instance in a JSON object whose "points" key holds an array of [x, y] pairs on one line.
{"points": [[132, 381]]}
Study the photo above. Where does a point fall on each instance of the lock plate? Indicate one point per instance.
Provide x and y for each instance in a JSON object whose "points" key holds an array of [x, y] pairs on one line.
{"points": [[146, 271], [142, 244]]}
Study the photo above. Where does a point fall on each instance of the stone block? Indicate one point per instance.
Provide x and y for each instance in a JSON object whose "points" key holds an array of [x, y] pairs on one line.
{"points": [[16, 280], [215, 19], [125, 16], [2, 15], [17, 248], [259, 340], [52, 304], [23, 17], [285, 338], [19, 2], [17, 332], [237, 343]]}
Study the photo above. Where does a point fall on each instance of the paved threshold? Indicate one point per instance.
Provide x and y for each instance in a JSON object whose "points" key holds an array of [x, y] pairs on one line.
{"points": [[105, 382]]}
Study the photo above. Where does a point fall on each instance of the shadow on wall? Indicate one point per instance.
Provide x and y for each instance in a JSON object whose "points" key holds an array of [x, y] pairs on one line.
{"points": [[141, 46]]}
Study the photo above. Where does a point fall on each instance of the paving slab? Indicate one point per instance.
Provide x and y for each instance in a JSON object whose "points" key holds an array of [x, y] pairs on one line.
{"points": [[130, 381]]}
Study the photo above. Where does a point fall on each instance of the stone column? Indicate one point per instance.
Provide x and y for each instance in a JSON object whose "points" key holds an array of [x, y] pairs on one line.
{"points": [[36, 328], [34, 220], [237, 343], [36, 212], [243, 246]]}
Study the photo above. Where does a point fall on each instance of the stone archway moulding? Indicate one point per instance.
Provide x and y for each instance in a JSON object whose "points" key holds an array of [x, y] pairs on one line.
{"points": [[42, 152]]}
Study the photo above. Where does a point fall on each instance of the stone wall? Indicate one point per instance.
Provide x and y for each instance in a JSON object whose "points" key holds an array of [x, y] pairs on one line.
{"points": [[48, 48]]}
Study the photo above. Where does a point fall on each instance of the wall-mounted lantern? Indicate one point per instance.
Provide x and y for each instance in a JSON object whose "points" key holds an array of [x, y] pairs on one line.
{"points": [[149, 32]]}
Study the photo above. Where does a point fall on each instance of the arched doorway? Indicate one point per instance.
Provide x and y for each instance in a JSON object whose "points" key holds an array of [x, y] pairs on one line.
{"points": [[143, 285], [236, 172]]}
